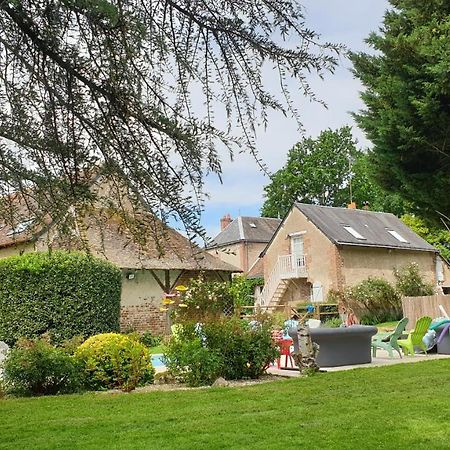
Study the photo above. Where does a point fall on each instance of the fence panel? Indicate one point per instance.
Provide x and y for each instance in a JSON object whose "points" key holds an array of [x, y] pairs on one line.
{"points": [[415, 307]]}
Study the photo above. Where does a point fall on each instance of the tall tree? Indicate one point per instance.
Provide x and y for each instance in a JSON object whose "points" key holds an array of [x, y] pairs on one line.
{"points": [[407, 99], [130, 90]]}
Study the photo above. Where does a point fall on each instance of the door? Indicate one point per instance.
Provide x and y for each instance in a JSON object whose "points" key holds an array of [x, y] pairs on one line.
{"points": [[297, 251]]}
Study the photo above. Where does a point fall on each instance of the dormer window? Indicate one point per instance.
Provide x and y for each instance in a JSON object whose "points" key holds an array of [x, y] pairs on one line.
{"points": [[397, 236], [353, 232]]}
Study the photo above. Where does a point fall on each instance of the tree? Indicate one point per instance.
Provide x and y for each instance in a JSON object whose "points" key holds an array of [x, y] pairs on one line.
{"points": [[439, 237], [407, 103], [129, 91], [319, 171]]}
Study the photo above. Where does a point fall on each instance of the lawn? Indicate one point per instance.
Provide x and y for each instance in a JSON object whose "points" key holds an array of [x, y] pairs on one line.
{"points": [[402, 406]]}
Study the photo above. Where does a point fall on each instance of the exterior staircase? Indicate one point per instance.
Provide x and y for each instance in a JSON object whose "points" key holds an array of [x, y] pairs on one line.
{"points": [[286, 268]]}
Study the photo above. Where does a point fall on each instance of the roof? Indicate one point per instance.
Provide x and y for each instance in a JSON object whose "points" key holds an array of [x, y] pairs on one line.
{"points": [[249, 229], [374, 227], [108, 237]]}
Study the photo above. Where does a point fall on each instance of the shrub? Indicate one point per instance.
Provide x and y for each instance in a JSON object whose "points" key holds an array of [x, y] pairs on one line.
{"points": [[242, 290], [334, 322], [410, 282], [192, 363], [37, 368], [374, 297], [62, 293], [227, 347], [205, 300], [149, 340], [375, 319], [112, 360]]}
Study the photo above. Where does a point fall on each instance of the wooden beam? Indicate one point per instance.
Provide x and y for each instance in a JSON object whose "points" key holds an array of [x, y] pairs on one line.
{"points": [[160, 283]]}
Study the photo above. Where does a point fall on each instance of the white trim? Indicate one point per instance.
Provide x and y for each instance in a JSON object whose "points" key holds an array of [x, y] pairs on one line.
{"points": [[241, 228]]}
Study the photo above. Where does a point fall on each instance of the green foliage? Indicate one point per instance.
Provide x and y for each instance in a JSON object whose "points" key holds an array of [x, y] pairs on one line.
{"points": [[439, 237], [319, 171], [150, 340], [63, 294], [205, 300], [410, 282], [112, 360], [37, 368], [242, 290], [334, 322], [373, 297], [227, 347], [190, 362], [377, 318], [407, 98]]}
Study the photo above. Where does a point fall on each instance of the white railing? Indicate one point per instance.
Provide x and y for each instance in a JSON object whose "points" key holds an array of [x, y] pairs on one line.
{"points": [[287, 266]]}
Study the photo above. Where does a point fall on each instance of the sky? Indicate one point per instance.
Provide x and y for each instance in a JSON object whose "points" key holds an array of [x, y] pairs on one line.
{"points": [[346, 22]]}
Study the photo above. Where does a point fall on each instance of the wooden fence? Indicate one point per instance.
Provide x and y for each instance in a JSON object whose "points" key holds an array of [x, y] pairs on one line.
{"points": [[415, 307]]}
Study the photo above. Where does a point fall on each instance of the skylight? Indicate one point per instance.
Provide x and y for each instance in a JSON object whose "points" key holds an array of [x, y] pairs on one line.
{"points": [[353, 232], [252, 225], [21, 227], [397, 236]]}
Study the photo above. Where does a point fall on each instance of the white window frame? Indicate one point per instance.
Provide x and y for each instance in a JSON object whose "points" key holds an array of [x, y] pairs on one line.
{"points": [[397, 236], [354, 233]]}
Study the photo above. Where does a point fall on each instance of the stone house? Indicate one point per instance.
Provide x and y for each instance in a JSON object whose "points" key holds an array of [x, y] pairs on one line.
{"points": [[317, 249], [149, 269], [242, 240]]}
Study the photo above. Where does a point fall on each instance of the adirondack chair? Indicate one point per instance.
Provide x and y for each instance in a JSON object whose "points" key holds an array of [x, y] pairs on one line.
{"points": [[415, 336], [389, 342]]}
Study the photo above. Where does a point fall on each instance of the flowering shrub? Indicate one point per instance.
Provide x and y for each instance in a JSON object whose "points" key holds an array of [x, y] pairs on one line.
{"points": [[227, 347], [37, 368], [410, 282], [112, 360]]}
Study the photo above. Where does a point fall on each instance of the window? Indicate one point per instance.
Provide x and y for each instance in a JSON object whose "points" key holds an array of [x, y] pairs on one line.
{"points": [[252, 225], [353, 232], [397, 236], [21, 227]]}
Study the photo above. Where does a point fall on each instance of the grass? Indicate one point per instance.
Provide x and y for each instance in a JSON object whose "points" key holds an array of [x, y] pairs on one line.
{"points": [[156, 350], [402, 407], [387, 326]]}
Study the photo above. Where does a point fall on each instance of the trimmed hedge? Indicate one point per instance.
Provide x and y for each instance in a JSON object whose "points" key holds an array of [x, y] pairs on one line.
{"points": [[64, 294]]}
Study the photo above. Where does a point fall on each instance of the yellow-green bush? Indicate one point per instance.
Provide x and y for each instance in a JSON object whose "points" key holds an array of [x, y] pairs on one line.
{"points": [[112, 360]]}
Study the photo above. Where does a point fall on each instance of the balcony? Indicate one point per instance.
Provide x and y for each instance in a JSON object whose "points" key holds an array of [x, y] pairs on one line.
{"points": [[292, 266]]}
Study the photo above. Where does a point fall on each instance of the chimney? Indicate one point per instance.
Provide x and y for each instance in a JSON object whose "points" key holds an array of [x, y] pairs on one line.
{"points": [[351, 205], [225, 221]]}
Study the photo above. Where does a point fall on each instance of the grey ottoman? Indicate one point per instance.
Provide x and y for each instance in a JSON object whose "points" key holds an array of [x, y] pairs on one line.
{"points": [[341, 346]]}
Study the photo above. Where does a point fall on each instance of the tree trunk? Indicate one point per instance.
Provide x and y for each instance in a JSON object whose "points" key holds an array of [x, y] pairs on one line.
{"points": [[305, 351]]}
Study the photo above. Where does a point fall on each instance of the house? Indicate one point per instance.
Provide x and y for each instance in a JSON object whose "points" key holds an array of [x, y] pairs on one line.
{"points": [[150, 267], [318, 248], [242, 240]]}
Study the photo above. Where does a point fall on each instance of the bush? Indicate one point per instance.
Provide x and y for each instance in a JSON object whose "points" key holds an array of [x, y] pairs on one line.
{"points": [[37, 368], [192, 363], [65, 294], [374, 297], [410, 282], [149, 340], [242, 290], [112, 360], [375, 319], [205, 300], [335, 322], [226, 347]]}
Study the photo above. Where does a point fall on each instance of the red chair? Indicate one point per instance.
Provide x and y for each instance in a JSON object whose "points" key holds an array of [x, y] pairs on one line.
{"points": [[285, 350]]}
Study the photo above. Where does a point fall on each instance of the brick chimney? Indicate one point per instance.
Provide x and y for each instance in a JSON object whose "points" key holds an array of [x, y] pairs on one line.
{"points": [[351, 205], [225, 221]]}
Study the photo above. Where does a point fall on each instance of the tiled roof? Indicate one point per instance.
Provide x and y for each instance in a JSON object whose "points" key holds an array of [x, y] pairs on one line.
{"points": [[250, 229], [363, 228]]}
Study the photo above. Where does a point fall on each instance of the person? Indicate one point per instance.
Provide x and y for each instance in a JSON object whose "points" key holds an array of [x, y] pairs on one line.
{"points": [[291, 323]]}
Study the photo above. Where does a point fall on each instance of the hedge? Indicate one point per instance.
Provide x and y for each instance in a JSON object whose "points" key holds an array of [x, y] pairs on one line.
{"points": [[63, 293]]}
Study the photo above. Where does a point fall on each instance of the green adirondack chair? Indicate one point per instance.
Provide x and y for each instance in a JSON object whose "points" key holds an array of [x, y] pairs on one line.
{"points": [[389, 342], [415, 336]]}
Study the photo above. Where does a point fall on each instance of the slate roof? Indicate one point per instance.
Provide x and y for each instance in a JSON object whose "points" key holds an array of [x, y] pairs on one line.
{"points": [[249, 229], [373, 226]]}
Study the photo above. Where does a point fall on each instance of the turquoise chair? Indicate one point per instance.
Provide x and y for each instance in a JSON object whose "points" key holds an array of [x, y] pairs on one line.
{"points": [[389, 342]]}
